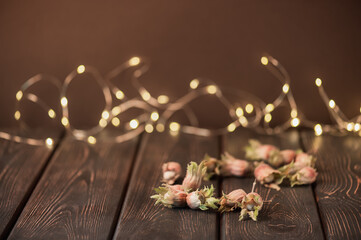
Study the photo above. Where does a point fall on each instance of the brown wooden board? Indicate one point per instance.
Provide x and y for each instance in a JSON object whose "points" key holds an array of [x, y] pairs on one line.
{"points": [[140, 219], [80, 193], [21, 166], [290, 213], [338, 191]]}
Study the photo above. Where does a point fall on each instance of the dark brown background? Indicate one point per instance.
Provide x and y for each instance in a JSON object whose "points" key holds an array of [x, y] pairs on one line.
{"points": [[222, 40]]}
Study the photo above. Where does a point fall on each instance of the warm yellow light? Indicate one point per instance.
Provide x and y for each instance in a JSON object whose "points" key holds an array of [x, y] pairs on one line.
{"points": [[318, 129], [17, 115], [51, 113], [295, 122], [65, 121], [194, 83], [243, 121], [149, 128], [105, 115], [350, 126], [239, 112], [134, 61], [64, 101], [19, 95], [212, 89], [294, 113], [154, 116], [145, 95], [92, 140], [270, 107], [134, 123], [163, 99], [80, 69], [249, 108], [357, 127], [49, 142], [160, 127], [103, 122], [286, 88], [115, 121], [119, 95], [332, 104], [267, 117], [116, 110], [318, 82], [264, 60], [231, 127], [174, 126]]}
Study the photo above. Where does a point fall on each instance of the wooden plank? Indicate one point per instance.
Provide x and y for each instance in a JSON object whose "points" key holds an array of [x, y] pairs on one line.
{"points": [[140, 219], [80, 193], [20, 168], [337, 190], [290, 213]]}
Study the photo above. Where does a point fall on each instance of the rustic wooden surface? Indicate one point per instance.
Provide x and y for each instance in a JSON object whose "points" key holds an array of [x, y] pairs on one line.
{"points": [[338, 183], [80, 192], [140, 219], [290, 213], [21, 166]]}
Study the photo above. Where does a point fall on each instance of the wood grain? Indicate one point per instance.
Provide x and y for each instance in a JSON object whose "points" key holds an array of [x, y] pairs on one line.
{"points": [[140, 219], [79, 195], [290, 213], [338, 183], [20, 169]]}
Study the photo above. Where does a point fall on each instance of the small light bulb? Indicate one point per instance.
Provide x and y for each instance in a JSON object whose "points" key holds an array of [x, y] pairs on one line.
{"points": [[212, 89], [243, 121], [174, 126], [350, 126], [134, 123], [64, 101], [134, 61], [145, 95], [160, 127], [65, 121], [163, 99], [105, 114], [51, 113], [318, 82], [154, 116], [49, 142], [119, 95], [239, 112], [92, 140], [286, 88], [17, 115], [149, 128], [194, 83], [295, 122], [357, 127], [264, 60], [318, 129], [19, 95], [294, 113], [116, 110], [102, 122], [332, 104], [249, 108], [270, 107], [115, 121], [231, 127], [80, 69], [267, 117]]}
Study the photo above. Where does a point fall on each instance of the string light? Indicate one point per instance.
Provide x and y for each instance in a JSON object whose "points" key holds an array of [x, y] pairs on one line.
{"points": [[332, 104], [134, 61], [270, 107], [19, 95], [134, 123], [17, 115], [116, 110], [49, 142], [318, 129], [149, 128], [105, 114], [286, 88], [92, 140], [64, 101], [318, 82], [212, 89], [119, 95], [294, 113], [145, 95], [231, 127], [163, 99], [194, 83], [80, 69], [350, 126], [249, 108], [102, 122], [64, 121], [154, 116], [295, 122], [174, 126], [239, 112], [243, 121], [264, 60], [51, 113], [115, 121], [357, 127], [267, 117], [160, 127]]}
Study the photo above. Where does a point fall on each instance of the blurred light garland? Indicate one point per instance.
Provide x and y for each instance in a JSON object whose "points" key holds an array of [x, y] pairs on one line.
{"points": [[249, 111]]}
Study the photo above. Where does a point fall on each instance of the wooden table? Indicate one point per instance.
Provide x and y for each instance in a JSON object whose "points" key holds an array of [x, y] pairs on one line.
{"points": [[101, 191]]}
